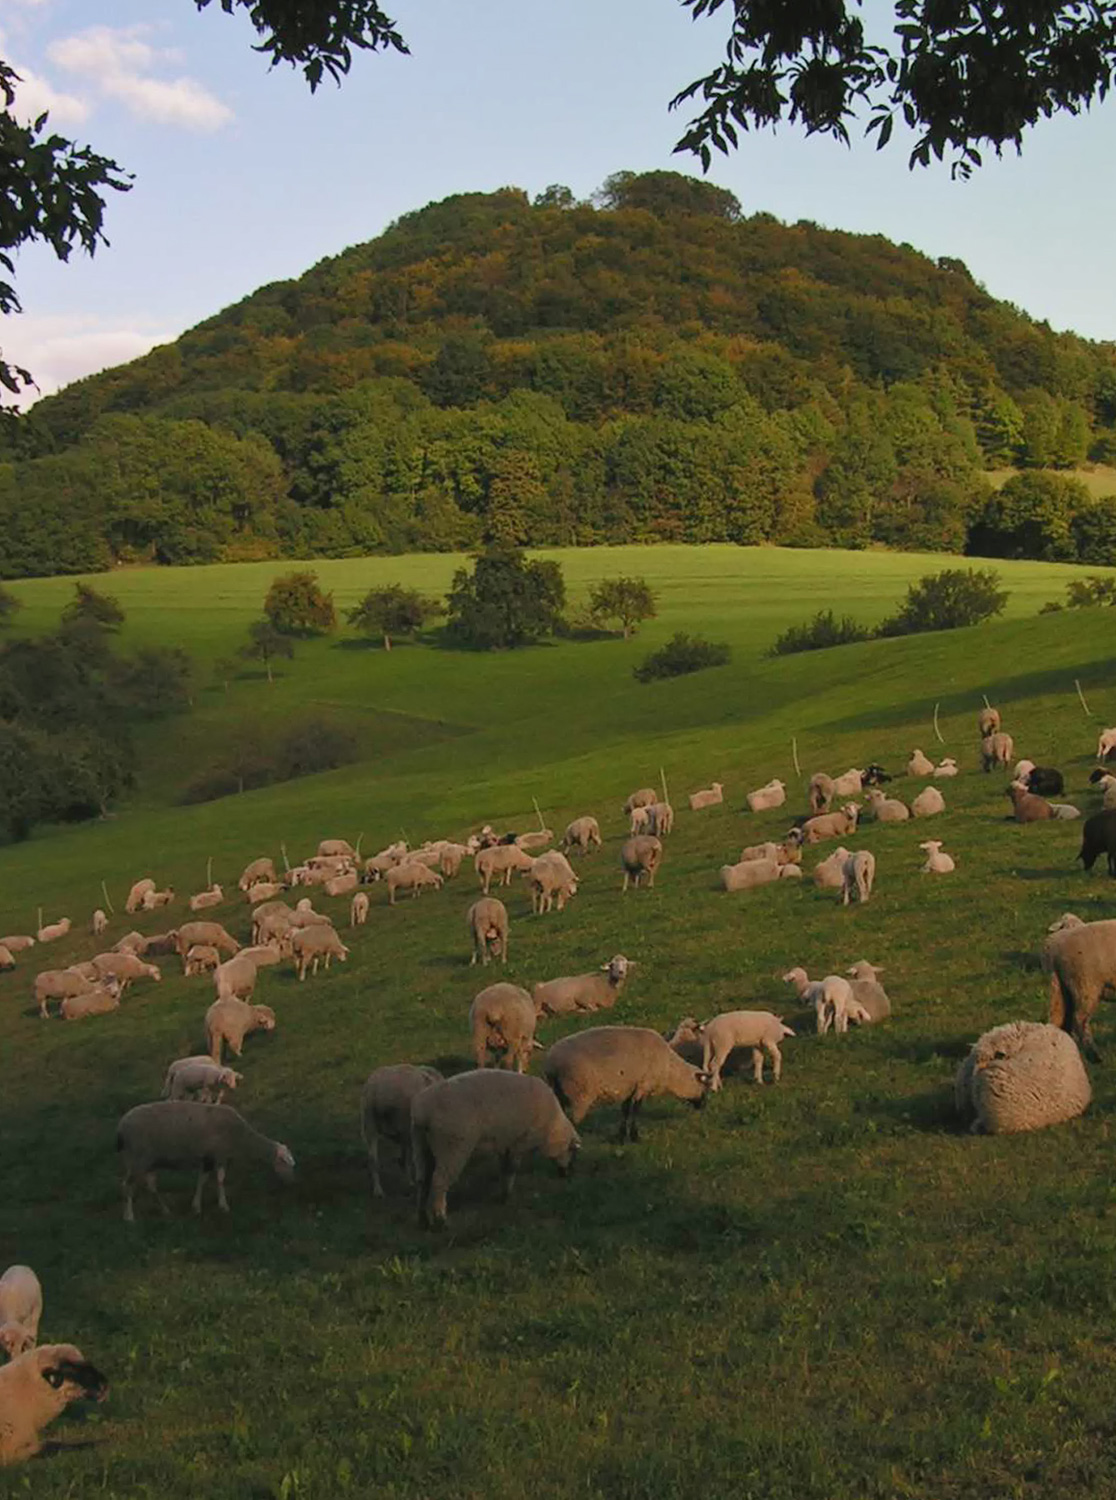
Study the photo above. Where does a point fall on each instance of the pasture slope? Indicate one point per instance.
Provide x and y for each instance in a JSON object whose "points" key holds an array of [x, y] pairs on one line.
{"points": [[816, 1291]]}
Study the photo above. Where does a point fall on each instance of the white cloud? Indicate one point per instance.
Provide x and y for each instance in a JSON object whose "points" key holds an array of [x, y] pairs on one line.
{"points": [[35, 94], [120, 62], [58, 350]]}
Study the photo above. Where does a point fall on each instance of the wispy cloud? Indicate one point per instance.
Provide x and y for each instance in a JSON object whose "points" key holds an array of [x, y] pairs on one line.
{"points": [[58, 350], [122, 64], [35, 94]]}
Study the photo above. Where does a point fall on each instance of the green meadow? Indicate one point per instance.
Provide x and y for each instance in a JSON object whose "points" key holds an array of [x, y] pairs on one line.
{"points": [[823, 1290]]}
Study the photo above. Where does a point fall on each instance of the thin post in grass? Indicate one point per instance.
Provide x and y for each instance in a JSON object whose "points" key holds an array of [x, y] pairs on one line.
{"points": [[794, 757], [286, 861], [209, 873], [986, 702], [538, 814], [662, 778], [40, 926], [108, 899], [1081, 695], [937, 731], [358, 844]]}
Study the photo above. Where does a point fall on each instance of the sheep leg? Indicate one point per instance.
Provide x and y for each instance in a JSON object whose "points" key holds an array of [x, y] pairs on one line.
{"points": [[374, 1166], [197, 1203], [625, 883], [129, 1199], [510, 1166], [222, 1201], [757, 1064], [776, 1061], [152, 1188], [422, 1166]]}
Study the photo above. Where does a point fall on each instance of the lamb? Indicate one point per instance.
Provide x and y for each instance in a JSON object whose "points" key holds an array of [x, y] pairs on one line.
{"points": [[642, 819], [1022, 1076], [155, 900], [582, 834], [21, 1307], [988, 721], [385, 1113], [16, 942], [312, 944], [236, 977], [125, 967], [758, 1029], [505, 1113], [231, 1021], [755, 872], [200, 1077], [7, 961], [98, 922], [937, 863], [821, 792], [947, 766], [1098, 836], [97, 1001], [830, 997], [488, 922], [502, 860], [919, 764], [662, 817], [551, 878], [708, 796], [832, 825], [204, 932], [54, 930], [640, 856], [869, 995], [37, 1387], [211, 896], [619, 1064], [887, 809], [1106, 745], [58, 984], [180, 1133], [996, 750], [774, 794], [134, 902], [1026, 807], [344, 885], [502, 1019], [582, 993], [358, 910], [829, 873], [1080, 963], [332, 848], [645, 797], [252, 874], [857, 876]]}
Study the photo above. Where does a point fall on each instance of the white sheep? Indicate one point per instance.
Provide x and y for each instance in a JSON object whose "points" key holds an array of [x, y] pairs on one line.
{"points": [[231, 1021], [821, 792], [385, 1113], [235, 978], [996, 750], [137, 893], [259, 869], [358, 909], [204, 932], [1022, 1076], [937, 863], [156, 900], [7, 958], [499, 860], [199, 1077], [37, 1387], [212, 896], [623, 1065], [758, 1029], [947, 766], [1066, 810], [98, 922], [1023, 769], [180, 1133], [750, 873], [1106, 744], [857, 876], [850, 783], [202, 958], [920, 764], [642, 820], [774, 794], [412, 877], [869, 996], [58, 984], [928, 803], [311, 945], [21, 1307], [551, 879], [886, 809], [125, 967], [488, 923], [502, 1019], [831, 825], [709, 796], [640, 857], [663, 818], [643, 798], [582, 993], [98, 1001], [582, 834], [831, 998], [988, 721], [53, 931], [17, 942]]}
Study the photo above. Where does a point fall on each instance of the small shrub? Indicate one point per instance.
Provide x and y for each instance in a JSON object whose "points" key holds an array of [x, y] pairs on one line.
{"points": [[295, 605], [1085, 593], [818, 634], [682, 654], [946, 601], [312, 746], [253, 759], [629, 600]]}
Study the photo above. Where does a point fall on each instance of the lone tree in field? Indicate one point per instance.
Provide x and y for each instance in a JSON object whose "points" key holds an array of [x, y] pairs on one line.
{"points": [[946, 601], [266, 644], [629, 600], [392, 611], [506, 601], [296, 605]]}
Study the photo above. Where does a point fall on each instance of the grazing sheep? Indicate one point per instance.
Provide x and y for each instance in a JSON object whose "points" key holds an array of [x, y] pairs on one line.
{"points": [[1045, 781], [17, 942], [385, 1113], [305, 916], [710, 796], [212, 896], [1098, 836], [156, 900], [582, 834], [137, 893], [21, 1307], [311, 945], [37, 1387], [645, 797], [662, 817], [131, 942], [829, 873], [58, 984], [758, 1029], [97, 1001], [755, 872], [947, 766], [488, 923], [358, 909], [857, 876], [886, 809], [1026, 807], [928, 803], [642, 820], [126, 968], [199, 1077], [235, 978], [988, 721], [869, 995], [273, 926], [851, 782], [204, 932], [180, 1133], [507, 1114], [54, 930], [821, 792], [7, 961], [259, 869], [231, 1021], [830, 998], [640, 856], [919, 764], [774, 794], [581, 993], [622, 1065], [499, 859], [1022, 1076], [937, 863], [552, 879], [1080, 964], [996, 750], [452, 857], [411, 877], [502, 1019], [1106, 745], [831, 825], [98, 922]]}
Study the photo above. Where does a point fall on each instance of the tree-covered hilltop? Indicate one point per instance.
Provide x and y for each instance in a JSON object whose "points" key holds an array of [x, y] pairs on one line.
{"points": [[652, 366]]}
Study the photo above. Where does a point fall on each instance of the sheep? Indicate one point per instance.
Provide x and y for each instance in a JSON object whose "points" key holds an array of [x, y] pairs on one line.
{"points": [[537, 840], [920, 764], [754, 872], [1065, 812], [161, 942], [852, 782], [97, 1001], [831, 825], [768, 850], [21, 1307], [180, 1133], [1045, 781], [273, 927], [821, 792], [344, 885], [502, 1019], [58, 984], [640, 856], [131, 942], [551, 878], [358, 910], [758, 1029], [830, 998], [645, 797], [662, 816], [886, 809], [451, 859], [1023, 769], [98, 922], [709, 796], [1026, 807], [829, 873], [988, 721], [1098, 835], [259, 869], [311, 945], [376, 866], [329, 848], [1066, 920], [37, 1387], [774, 794], [1080, 964], [212, 896], [236, 978], [204, 932], [263, 955], [502, 860], [869, 995], [200, 1077], [582, 993], [937, 863], [7, 961], [928, 803], [857, 876], [996, 750], [305, 916], [873, 775], [1106, 745], [136, 895], [582, 834], [385, 1113], [619, 1064], [488, 923], [508, 1114], [54, 930], [642, 819], [17, 942], [125, 967], [947, 766], [202, 958], [411, 877], [231, 1021], [155, 900], [1022, 1076]]}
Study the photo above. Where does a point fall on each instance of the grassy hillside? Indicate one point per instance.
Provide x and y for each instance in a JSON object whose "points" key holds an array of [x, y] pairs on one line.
{"points": [[817, 1290]]}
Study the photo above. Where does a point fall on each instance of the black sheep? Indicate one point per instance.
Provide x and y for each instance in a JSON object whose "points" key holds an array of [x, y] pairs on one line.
{"points": [[1098, 836], [874, 775], [1045, 781]]}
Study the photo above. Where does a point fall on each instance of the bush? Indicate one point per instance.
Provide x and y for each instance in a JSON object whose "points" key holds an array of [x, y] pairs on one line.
{"points": [[682, 654], [1084, 593], [253, 759], [505, 601], [818, 634], [295, 605], [946, 601]]}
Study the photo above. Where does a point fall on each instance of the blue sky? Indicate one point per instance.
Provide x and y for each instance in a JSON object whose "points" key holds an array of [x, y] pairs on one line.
{"points": [[242, 177]]}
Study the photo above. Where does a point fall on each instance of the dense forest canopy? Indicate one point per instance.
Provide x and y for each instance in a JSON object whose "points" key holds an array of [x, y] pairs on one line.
{"points": [[655, 365]]}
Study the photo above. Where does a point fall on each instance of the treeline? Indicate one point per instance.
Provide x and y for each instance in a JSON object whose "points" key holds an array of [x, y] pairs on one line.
{"points": [[652, 368]]}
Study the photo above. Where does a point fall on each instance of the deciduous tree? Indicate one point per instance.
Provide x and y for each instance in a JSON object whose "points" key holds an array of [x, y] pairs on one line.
{"points": [[392, 611], [629, 600], [507, 600], [296, 605], [266, 644]]}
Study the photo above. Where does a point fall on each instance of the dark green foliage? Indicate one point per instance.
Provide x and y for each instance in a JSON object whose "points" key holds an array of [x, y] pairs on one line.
{"points": [[682, 655], [1084, 593], [267, 643], [629, 600], [296, 605], [818, 634], [1094, 533], [9, 605], [507, 600], [155, 681], [392, 611], [668, 192], [1032, 516], [90, 607], [253, 759], [947, 601]]}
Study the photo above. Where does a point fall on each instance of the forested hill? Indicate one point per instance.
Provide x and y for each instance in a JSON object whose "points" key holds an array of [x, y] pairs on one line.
{"points": [[658, 366]]}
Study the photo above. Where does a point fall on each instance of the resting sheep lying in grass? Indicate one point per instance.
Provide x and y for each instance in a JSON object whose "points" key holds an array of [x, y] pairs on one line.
{"points": [[54, 930], [582, 993], [231, 1021], [774, 794], [886, 809], [7, 959], [869, 995], [37, 1387], [947, 766], [1022, 1076], [831, 825], [928, 803], [21, 1307], [508, 1114], [502, 1020], [621, 1065], [212, 896], [831, 998], [937, 863], [708, 796], [17, 942], [758, 1029], [200, 1078], [750, 873], [1025, 806], [488, 923], [98, 1001], [919, 764], [385, 1114]]}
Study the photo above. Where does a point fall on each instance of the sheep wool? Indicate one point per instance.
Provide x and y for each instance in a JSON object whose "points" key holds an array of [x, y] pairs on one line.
{"points": [[623, 1065], [1022, 1076], [385, 1113], [37, 1387], [21, 1307]]}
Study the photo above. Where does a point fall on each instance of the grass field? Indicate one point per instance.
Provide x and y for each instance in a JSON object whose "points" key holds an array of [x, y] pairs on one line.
{"points": [[822, 1290]]}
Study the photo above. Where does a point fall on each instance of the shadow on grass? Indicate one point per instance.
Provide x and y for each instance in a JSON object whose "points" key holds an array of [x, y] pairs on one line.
{"points": [[932, 1111]]}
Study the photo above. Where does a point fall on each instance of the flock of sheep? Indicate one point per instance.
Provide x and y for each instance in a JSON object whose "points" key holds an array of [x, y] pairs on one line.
{"points": [[1017, 1077]]}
